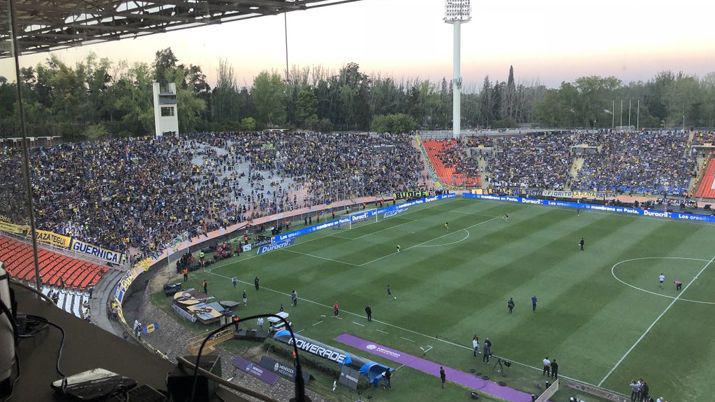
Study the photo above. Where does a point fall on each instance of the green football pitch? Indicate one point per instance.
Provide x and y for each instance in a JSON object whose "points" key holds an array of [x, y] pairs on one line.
{"points": [[601, 312]]}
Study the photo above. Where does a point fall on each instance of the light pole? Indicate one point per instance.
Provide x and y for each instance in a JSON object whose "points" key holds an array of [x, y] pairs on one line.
{"points": [[285, 30], [456, 13], [613, 117], [638, 115]]}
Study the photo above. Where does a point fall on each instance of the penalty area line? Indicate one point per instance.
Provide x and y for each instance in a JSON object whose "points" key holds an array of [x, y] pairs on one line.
{"points": [[650, 327], [469, 348], [427, 241]]}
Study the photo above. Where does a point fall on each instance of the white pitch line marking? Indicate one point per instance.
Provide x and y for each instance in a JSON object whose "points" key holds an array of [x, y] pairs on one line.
{"points": [[426, 241], [426, 349], [299, 331], [407, 339], [318, 323], [401, 366], [682, 292], [409, 212], [613, 273], [387, 228], [406, 329], [357, 323], [319, 257], [450, 243]]}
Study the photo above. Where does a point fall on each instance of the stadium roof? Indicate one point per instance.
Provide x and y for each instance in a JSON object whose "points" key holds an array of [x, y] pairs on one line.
{"points": [[45, 25]]}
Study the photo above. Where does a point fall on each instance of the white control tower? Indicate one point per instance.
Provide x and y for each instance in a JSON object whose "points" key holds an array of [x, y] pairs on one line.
{"points": [[456, 13], [166, 117]]}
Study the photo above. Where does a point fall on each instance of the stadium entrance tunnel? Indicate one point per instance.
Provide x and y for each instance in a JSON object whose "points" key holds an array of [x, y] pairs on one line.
{"points": [[642, 274]]}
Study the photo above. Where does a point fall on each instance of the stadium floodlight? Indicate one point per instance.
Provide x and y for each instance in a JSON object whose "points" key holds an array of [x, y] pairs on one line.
{"points": [[457, 12]]}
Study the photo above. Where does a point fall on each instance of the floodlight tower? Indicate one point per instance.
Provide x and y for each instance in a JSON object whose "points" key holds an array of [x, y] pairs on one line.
{"points": [[456, 13]]}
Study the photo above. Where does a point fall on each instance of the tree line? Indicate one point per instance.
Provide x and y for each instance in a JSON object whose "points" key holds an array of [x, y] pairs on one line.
{"points": [[97, 98]]}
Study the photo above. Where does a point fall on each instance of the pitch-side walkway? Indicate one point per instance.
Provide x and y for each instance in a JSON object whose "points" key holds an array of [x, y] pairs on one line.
{"points": [[431, 368]]}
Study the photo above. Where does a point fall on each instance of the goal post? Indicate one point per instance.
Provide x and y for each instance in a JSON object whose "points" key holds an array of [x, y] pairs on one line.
{"points": [[549, 392]]}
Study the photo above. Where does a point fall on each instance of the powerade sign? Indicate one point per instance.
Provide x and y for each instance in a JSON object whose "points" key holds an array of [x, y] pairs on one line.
{"points": [[274, 246], [313, 347], [605, 208], [357, 217]]}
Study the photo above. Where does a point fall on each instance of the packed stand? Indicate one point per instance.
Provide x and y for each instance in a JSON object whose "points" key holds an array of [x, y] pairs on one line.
{"points": [[336, 166], [529, 161], [704, 137], [638, 162], [451, 163], [141, 195]]}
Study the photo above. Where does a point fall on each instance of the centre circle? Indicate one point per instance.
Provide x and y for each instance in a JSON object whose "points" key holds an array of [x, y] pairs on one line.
{"points": [[615, 268]]}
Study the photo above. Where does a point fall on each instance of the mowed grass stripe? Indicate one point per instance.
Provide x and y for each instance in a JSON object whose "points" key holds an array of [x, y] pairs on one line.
{"points": [[574, 299], [374, 283], [585, 317], [382, 244]]}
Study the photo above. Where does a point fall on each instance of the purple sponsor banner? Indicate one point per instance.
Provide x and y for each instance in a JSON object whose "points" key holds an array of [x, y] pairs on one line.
{"points": [[428, 367], [255, 370]]}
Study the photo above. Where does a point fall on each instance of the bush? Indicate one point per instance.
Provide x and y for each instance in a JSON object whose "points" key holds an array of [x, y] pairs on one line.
{"points": [[393, 123], [95, 131], [248, 124]]}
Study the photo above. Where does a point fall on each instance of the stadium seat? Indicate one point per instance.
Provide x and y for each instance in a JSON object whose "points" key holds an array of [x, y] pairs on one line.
{"points": [[706, 189], [447, 174], [18, 260]]}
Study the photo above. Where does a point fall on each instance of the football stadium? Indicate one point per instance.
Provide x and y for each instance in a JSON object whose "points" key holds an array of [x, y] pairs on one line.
{"points": [[319, 235]]}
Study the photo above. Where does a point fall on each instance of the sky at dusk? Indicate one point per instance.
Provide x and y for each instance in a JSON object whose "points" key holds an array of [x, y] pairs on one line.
{"points": [[550, 40]]}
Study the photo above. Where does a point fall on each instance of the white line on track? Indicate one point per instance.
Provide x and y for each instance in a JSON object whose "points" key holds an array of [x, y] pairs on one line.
{"points": [[426, 349], [357, 323], [426, 241], [404, 329], [618, 363], [450, 243], [613, 273]]}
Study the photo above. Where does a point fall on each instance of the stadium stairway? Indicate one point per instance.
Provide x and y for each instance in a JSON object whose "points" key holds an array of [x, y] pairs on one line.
{"points": [[57, 270], [101, 296], [706, 189], [70, 301]]}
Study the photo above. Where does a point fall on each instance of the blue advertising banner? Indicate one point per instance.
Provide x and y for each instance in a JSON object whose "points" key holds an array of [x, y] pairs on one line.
{"points": [[357, 217], [606, 208], [275, 246]]}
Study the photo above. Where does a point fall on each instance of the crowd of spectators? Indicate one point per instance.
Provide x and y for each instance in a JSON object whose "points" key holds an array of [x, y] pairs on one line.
{"points": [[657, 161], [530, 161], [140, 194], [704, 137], [638, 162]]}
